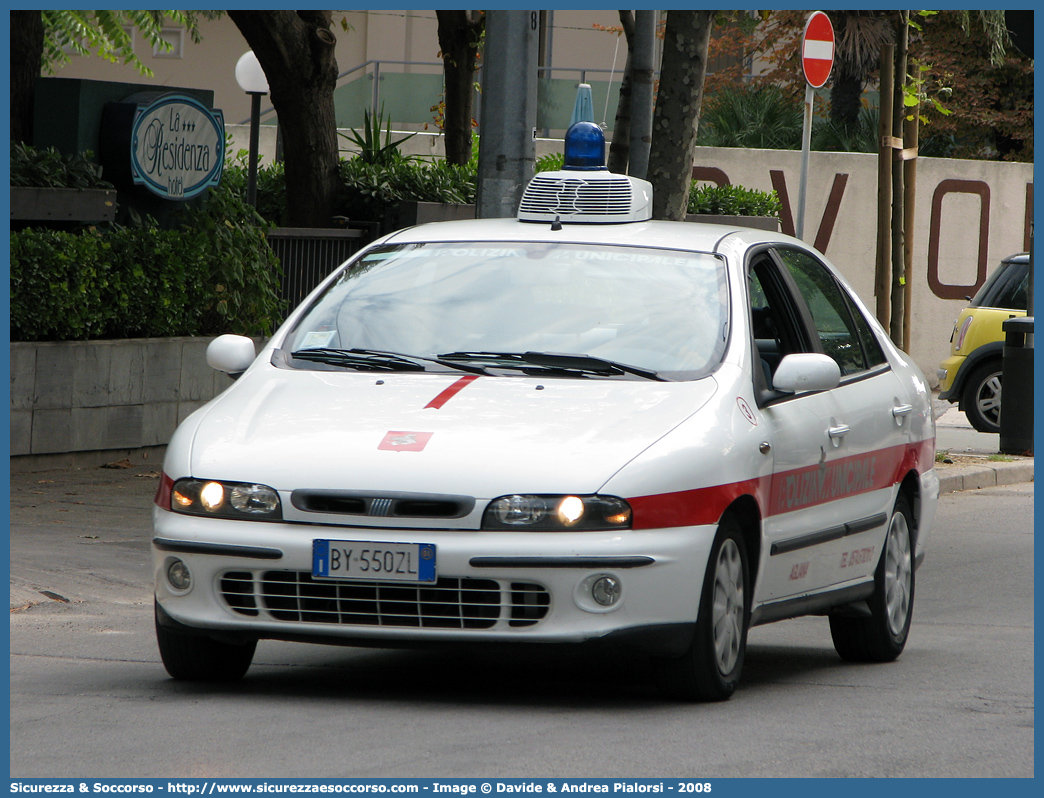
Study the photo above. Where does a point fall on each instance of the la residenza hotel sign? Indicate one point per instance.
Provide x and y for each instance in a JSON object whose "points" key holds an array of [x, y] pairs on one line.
{"points": [[177, 147]]}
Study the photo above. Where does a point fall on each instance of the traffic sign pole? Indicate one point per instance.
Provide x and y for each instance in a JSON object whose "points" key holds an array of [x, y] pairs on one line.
{"points": [[806, 146], [817, 59]]}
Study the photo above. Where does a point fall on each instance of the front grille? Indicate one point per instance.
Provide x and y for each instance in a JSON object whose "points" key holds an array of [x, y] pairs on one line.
{"points": [[605, 197], [449, 603], [406, 505]]}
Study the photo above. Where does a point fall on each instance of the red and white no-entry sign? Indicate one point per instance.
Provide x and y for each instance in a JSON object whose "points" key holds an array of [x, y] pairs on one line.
{"points": [[817, 49]]}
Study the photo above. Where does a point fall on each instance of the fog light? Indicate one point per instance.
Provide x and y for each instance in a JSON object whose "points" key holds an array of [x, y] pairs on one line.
{"points": [[606, 590], [178, 575]]}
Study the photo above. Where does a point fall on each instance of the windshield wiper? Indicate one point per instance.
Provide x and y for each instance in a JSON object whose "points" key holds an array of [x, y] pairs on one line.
{"points": [[358, 359], [564, 364], [376, 360]]}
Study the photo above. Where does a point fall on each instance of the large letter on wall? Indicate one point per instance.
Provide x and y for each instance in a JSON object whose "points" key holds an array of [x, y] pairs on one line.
{"points": [[939, 288], [826, 224], [711, 174]]}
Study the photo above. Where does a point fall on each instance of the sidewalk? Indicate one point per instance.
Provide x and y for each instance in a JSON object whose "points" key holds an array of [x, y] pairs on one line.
{"points": [[974, 459]]}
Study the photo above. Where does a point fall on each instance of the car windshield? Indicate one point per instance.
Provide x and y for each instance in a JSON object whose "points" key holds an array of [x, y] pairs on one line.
{"points": [[504, 308]]}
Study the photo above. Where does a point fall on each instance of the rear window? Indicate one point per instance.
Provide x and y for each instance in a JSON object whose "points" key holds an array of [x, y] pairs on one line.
{"points": [[1006, 288]]}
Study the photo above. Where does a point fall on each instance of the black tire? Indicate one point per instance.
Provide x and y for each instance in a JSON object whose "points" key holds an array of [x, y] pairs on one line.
{"points": [[198, 658], [882, 636], [981, 398], [711, 668]]}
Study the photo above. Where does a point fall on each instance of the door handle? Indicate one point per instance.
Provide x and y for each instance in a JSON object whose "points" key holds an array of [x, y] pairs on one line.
{"points": [[837, 432], [899, 412]]}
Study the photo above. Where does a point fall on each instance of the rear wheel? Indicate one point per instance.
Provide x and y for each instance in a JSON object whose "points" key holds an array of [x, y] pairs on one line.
{"points": [[882, 635], [710, 669], [202, 659], [982, 397]]}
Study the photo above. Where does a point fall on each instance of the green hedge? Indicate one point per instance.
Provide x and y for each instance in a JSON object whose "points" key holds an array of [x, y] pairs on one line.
{"points": [[733, 201], [48, 168], [216, 274], [369, 190]]}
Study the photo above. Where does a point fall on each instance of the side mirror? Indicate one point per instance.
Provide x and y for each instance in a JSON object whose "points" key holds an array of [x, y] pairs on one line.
{"points": [[232, 354], [806, 372]]}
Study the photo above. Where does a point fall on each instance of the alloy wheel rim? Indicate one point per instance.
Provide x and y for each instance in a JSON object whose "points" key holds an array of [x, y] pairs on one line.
{"points": [[728, 607], [989, 399], [898, 574]]}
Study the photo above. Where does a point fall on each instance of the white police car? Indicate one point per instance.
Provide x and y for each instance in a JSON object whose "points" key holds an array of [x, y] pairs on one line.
{"points": [[576, 425]]}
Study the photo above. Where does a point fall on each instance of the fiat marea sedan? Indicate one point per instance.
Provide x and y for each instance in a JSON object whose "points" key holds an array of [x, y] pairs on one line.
{"points": [[576, 425]]}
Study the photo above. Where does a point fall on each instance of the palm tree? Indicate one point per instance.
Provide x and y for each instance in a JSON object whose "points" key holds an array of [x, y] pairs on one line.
{"points": [[759, 117], [859, 36]]}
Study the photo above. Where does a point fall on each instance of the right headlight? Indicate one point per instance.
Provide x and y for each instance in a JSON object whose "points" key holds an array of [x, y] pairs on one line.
{"points": [[556, 513], [216, 499]]}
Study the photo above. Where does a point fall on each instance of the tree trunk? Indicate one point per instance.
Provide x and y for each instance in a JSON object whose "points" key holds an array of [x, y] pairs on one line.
{"points": [[677, 114], [460, 34], [895, 329], [27, 40], [883, 266], [910, 135], [296, 52], [620, 148], [643, 76]]}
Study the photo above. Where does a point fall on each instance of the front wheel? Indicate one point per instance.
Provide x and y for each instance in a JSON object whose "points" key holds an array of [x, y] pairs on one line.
{"points": [[202, 659], [710, 669], [982, 397], [881, 637]]}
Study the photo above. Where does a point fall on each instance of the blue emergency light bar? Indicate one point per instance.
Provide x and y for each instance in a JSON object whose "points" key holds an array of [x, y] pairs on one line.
{"points": [[584, 147]]}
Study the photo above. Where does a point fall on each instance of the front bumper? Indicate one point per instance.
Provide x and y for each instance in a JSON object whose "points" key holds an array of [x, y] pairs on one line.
{"points": [[253, 580], [947, 373]]}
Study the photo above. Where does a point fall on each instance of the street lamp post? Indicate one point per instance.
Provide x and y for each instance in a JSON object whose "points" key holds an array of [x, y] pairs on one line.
{"points": [[251, 79]]}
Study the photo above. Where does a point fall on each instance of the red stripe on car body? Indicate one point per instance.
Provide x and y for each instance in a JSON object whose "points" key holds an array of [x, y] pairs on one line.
{"points": [[450, 392], [693, 507], [786, 491]]}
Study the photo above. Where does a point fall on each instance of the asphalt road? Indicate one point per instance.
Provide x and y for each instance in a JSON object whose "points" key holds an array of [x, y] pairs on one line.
{"points": [[89, 697]]}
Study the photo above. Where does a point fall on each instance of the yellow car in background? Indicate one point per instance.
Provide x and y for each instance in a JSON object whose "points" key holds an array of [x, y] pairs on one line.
{"points": [[971, 375]]}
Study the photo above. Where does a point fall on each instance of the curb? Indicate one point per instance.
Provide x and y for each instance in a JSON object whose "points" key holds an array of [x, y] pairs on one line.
{"points": [[957, 478]]}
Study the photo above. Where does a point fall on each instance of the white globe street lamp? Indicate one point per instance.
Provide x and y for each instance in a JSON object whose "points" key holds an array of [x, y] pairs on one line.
{"points": [[251, 79]]}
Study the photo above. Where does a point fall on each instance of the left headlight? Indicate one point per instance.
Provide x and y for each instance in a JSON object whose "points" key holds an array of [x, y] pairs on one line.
{"points": [[545, 513], [211, 498]]}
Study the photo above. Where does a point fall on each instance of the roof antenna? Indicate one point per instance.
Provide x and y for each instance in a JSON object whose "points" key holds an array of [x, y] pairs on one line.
{"points": [[556, 225]]}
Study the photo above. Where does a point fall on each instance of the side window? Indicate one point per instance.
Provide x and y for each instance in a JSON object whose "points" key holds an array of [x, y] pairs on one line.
{"points": [[775, 320], [871, 346], [766, 339], [833, 317]]}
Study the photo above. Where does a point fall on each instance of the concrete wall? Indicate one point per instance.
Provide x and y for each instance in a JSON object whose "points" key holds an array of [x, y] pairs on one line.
{"points": [[106, 395]]}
